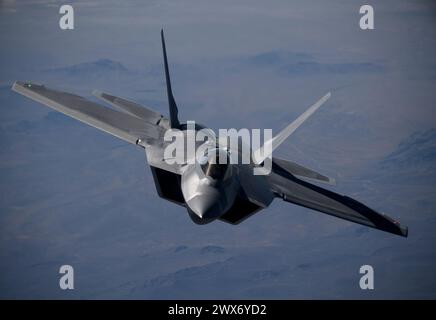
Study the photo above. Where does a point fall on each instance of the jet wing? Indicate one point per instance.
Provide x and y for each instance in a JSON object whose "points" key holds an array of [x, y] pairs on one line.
{"points": [[121, 125], [294, 190]]}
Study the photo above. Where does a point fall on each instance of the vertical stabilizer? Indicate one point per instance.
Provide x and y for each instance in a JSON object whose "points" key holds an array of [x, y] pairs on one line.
{"points": [[174, 120], [260, 155]]}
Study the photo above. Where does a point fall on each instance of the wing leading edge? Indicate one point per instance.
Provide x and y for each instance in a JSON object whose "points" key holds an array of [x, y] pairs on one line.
{"points": [[294, 190]]}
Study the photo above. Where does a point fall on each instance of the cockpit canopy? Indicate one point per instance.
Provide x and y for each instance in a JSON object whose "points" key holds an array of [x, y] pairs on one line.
{"points": [[215, 163]]}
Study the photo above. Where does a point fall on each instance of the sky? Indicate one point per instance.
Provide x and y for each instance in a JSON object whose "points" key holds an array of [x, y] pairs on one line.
{"points": [[73, 195]]}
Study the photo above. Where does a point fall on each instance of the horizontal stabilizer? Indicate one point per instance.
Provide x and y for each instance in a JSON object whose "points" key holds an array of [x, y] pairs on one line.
{"points": [[130, 107], [301, 172]]}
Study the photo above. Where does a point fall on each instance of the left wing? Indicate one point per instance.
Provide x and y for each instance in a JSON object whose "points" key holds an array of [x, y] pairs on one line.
{"points": [[294, 190]]}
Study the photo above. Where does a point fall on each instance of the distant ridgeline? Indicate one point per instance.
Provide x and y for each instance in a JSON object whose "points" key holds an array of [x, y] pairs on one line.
{"points": [[415, 156], [101, 66]]}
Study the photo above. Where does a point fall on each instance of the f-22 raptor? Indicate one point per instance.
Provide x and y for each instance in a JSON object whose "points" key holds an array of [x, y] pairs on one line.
{"points": [[208, 189]]}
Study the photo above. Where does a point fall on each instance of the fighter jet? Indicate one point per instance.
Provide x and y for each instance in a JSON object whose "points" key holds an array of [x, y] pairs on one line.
{"points": [[208, 189]]}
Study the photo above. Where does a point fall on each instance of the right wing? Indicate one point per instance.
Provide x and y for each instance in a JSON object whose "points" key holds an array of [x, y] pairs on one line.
{"points": [[121, 125], [136, 130], [294, 190]]}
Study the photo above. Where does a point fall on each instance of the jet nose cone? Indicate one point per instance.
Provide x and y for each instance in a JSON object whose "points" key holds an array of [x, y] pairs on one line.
{"points": [[205, 207]]}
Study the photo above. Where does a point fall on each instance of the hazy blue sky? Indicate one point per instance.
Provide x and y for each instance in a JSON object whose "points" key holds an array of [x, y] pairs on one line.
{"points": [[73, 195]]}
